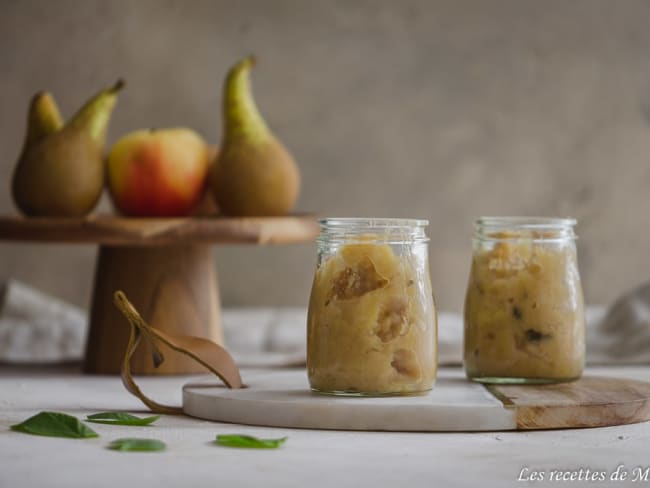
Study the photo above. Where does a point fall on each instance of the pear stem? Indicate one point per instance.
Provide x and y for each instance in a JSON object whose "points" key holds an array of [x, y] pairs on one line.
{"points": [[242, 118], [119, 84]]}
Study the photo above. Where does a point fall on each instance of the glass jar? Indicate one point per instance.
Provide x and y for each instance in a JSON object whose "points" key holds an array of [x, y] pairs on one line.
{"points": [[372, 324], [524, 311]]}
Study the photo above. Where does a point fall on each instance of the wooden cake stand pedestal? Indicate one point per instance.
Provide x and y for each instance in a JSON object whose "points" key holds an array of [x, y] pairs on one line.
{"points": [[166, 269]]}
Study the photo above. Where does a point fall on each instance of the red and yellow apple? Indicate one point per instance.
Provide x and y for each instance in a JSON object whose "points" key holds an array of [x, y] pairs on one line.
{"points": [[158, 172]]}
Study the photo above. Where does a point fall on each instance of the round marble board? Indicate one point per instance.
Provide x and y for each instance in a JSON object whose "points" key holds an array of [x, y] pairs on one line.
{"points": [[283, 399]]}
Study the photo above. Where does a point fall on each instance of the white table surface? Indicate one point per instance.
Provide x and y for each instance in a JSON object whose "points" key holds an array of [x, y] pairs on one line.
{"points": [[308, 459]]}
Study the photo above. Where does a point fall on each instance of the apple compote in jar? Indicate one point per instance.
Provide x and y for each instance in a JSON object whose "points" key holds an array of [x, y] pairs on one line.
{"points": [[524, 311], [372, 325]]}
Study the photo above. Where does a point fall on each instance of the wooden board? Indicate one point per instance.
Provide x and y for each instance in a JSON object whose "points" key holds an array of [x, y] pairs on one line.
{"points": [[117, 231], [283, 399], [588, 402]]}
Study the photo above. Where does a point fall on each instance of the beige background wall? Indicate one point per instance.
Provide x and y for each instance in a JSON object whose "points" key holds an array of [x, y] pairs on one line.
{"points": [[440, 109]]}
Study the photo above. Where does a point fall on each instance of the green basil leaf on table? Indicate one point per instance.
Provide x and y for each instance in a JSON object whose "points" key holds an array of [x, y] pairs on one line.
{"points": [[132, 444], [120, 418], [55, 424], [248, 441]]}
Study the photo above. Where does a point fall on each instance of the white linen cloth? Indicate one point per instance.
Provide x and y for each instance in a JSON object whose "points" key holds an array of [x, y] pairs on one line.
{"points": [[36, 328]]}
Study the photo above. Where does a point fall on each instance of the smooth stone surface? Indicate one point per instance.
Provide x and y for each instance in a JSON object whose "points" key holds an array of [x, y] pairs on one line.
{"points": [[283, 399]]}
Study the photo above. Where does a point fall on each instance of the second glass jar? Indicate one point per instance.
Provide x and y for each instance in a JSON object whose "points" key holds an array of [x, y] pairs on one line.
{"points": [[372, 324], [524, 311]]}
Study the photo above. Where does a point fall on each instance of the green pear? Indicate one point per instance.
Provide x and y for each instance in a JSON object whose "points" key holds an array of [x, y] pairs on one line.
{"points": [[60, 171], [254, 174]]}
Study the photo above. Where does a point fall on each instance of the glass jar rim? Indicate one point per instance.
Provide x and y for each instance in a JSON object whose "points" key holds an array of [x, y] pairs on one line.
{"points": [[535, 229], [369, 229], [532, 223], [372, 222]]}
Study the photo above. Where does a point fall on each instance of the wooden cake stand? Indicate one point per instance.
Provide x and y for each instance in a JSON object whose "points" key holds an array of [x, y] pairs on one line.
{"points": [[166, 269]]}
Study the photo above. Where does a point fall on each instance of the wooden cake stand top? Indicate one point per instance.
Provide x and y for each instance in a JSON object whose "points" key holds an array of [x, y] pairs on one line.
{"points": [[127, 231]]}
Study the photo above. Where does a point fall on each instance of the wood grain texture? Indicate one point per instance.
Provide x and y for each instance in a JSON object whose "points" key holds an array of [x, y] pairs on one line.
{"points": [[175, 290], [124, 231], [588, 402]]}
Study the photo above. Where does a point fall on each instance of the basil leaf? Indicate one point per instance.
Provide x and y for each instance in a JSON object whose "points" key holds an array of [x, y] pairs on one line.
{"points": [[119, 418], [248, 441], [55, 424], [132, 444]]}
